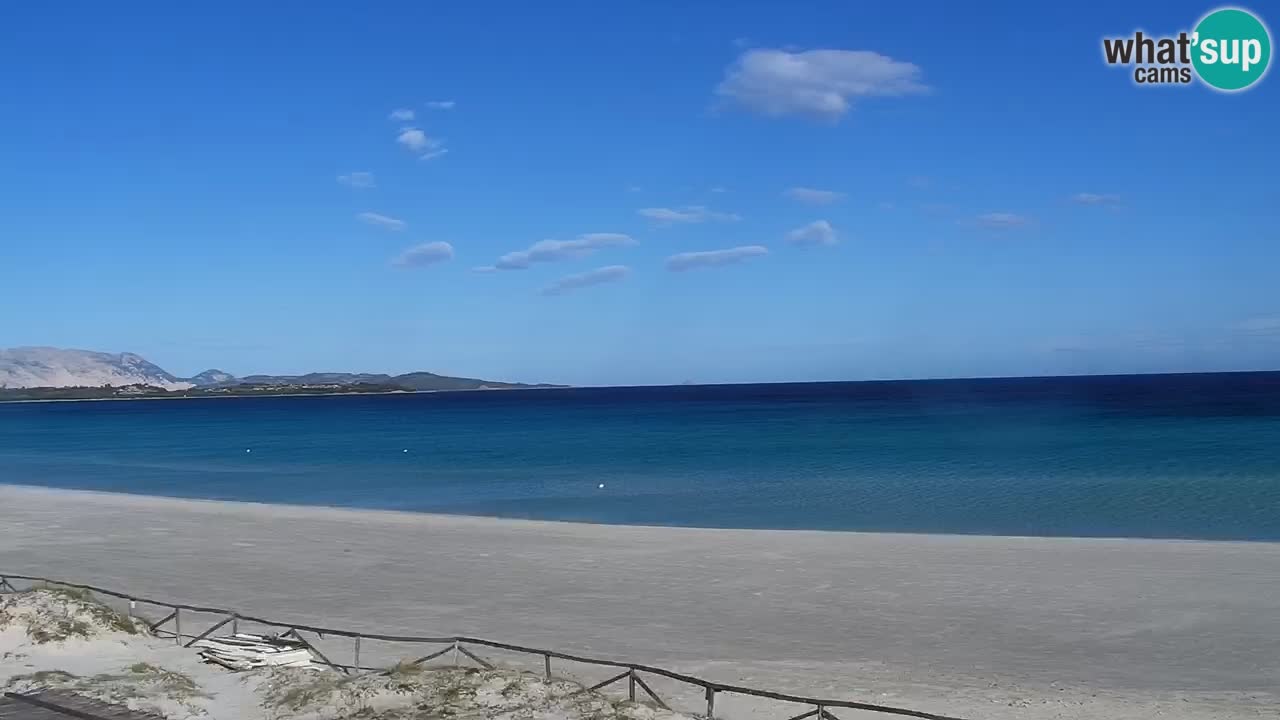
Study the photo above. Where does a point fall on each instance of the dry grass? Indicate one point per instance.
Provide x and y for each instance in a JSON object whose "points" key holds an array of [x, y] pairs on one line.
{"points": [[141, 685], [52, 614], [412, 692]]}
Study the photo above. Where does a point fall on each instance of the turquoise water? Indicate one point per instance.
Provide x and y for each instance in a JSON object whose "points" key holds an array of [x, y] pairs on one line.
{"points": [[1192, 456]]}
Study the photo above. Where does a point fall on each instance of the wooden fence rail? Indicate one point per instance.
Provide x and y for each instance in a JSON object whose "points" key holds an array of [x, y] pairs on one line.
{"points": [[457, 644]]}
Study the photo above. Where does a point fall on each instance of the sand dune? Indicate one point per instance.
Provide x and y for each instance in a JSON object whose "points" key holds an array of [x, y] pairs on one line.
{"points": [[973, 626]]}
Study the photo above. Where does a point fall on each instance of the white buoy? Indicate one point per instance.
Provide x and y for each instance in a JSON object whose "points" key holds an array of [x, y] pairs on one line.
{"points": [[405, 450], [601, 486], [247, 450]]}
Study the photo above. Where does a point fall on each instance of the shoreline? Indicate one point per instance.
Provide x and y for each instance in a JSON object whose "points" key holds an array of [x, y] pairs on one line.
{"points": [[304, 508], [975, 626], [274, 395]]}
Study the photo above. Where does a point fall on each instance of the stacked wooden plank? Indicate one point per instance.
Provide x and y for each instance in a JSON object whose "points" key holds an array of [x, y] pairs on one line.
{"points": [[243, 651]]}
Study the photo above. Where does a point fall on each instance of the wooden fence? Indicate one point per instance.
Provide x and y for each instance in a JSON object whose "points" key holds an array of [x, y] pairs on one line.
{"points": [[632, 673]]}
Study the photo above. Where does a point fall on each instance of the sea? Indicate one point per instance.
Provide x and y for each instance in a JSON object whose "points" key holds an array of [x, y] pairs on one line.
{"points": [[1193, 456]]}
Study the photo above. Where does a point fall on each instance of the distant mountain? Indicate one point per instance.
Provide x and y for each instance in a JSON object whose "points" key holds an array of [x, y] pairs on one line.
{"points": [[44, 367], [211, 377], [314, 379], [407, 381], [431, 381], [28, 367]]}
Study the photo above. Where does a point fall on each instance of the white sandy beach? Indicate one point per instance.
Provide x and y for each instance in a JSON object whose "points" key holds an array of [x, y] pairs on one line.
{"points": [[979, 627]]}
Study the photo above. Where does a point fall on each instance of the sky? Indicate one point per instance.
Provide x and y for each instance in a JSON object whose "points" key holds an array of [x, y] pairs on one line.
{"points": [[631, 192]]}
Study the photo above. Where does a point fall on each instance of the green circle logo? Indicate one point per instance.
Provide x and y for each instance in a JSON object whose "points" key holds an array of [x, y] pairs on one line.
{"points": [[1232, 49]]}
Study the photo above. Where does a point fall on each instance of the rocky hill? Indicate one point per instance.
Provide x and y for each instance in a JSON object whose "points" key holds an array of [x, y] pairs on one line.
{"points": [[30, 367], [45, 367]]}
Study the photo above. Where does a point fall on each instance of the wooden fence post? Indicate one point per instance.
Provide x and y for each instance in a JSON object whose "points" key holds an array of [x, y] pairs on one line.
{"points": [[711, 701], [631, 685], [357, 662], [208, 632], [177, 625], [546, 662]]}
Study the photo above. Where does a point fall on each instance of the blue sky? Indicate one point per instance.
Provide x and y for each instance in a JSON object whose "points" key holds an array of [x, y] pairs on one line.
{"points": [[189, 183]]}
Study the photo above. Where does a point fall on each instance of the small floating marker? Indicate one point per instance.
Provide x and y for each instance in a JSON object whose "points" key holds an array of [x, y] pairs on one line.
{"points": [[405, 450], [247, 450], [601, 486]]}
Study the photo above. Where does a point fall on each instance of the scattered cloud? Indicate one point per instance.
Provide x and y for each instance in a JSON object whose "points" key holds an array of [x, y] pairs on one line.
{"points": [[1001, 220], [1269, 325], [1067, 344], [1085, 198], [719, 189], [920, 182], [382, 221], [634, 188], [360, 180], [555, 250], [818, 83], [441, 104], [611, 273], [812, 196], [424, 255], [687, 214], [416, 141], [401, 115], [413, 139], [887, 206], [714, 258], [1157, 342], [818, 232]]}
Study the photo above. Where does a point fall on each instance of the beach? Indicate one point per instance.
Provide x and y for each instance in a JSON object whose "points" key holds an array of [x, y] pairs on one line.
{"points": [[998, 627]]}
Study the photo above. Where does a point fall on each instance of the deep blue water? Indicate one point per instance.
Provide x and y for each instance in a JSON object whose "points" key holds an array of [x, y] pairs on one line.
{"points": [[1192, 456]]}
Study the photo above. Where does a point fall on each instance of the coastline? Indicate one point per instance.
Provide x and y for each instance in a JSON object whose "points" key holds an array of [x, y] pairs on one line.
{"points": [[275, 395], [1002, 627], [303, 510]]}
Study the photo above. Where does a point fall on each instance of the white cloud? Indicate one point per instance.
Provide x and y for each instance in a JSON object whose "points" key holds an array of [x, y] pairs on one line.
{"points": [[401, 115], [612, 273], [555, 250], [1259, 326], [416, 141], [714, 258], [812, 196], [441, 104], [358, 180], [818, 232], [687, 214], [1085, 198], [719, 189], [425, 254], [382, 221], [818, 83], [1001, 220], [413, 139]]}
